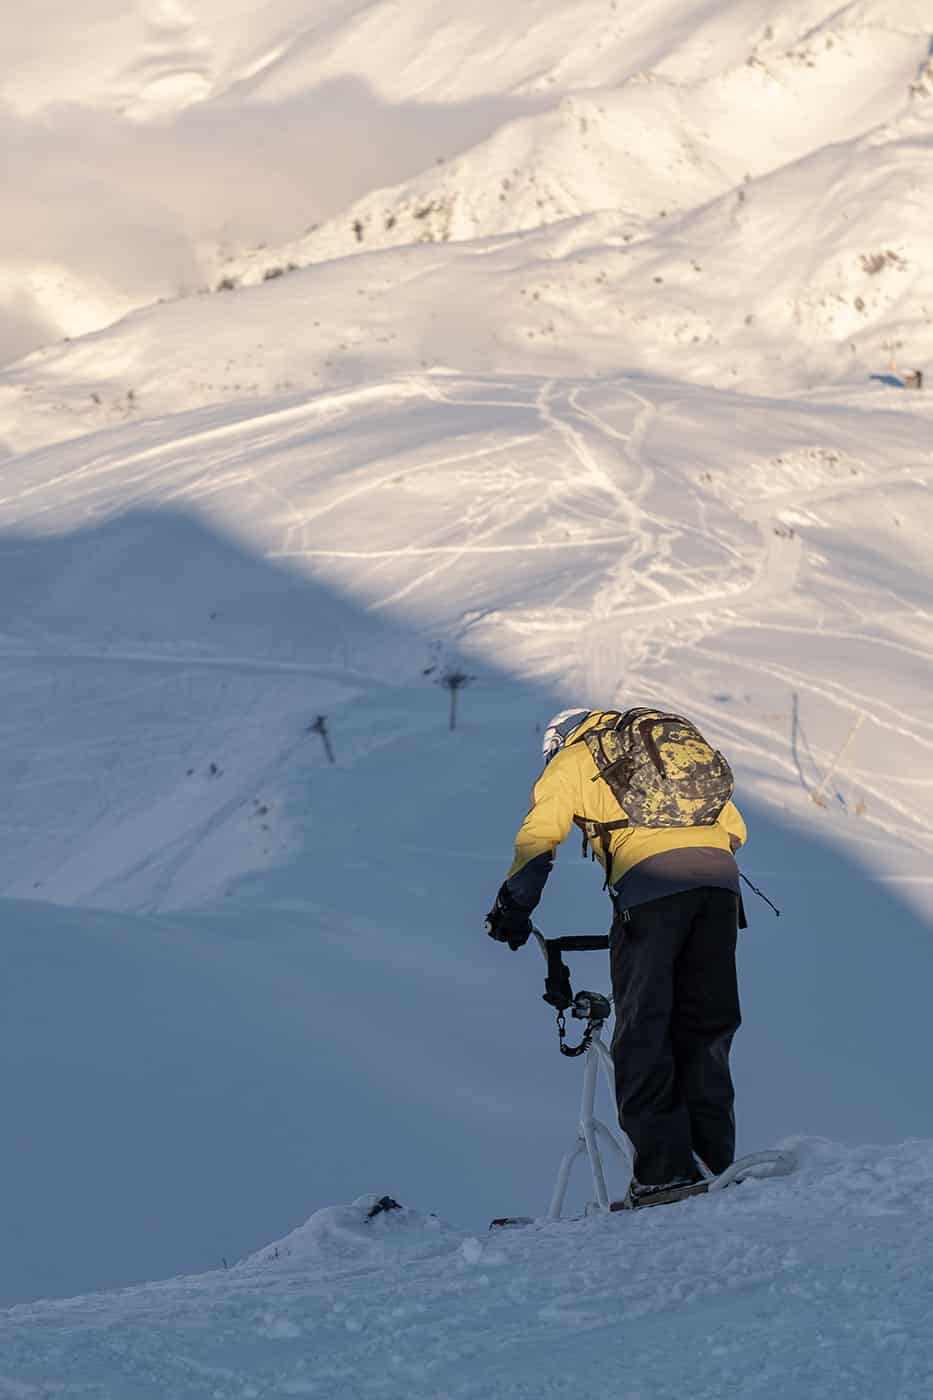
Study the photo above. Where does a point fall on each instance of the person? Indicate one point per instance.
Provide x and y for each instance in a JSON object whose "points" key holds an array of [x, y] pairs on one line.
{"points": [[676, 910]]}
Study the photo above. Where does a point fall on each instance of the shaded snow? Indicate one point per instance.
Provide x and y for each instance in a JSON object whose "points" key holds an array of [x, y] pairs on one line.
{"points": [[752, 1293]]}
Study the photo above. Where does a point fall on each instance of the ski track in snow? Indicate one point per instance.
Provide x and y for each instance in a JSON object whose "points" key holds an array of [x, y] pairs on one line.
{"points": [[647, 599], [596, 460], [776, 576]]}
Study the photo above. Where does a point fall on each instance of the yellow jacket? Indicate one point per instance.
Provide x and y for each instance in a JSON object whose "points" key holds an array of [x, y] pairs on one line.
{"points": [[566, 790]]}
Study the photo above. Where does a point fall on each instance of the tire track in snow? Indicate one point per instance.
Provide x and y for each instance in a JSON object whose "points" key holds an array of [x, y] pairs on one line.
{"points": [[777, 570], [118, 463]]}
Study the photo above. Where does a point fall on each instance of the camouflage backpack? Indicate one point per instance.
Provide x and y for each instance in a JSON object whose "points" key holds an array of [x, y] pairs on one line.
{"points": [[660, 770]]}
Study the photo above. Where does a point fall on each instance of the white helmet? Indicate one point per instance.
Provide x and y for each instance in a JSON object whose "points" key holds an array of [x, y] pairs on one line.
{"points": [[559, 730]]}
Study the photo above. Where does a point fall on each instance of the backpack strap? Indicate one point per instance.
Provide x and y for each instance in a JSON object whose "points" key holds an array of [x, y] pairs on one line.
{"points": [[603, 832], [645, 727], [615, 721]]}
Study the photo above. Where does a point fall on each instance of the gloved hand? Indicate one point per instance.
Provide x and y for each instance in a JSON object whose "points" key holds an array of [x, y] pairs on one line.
{"points": [[507, 922]]}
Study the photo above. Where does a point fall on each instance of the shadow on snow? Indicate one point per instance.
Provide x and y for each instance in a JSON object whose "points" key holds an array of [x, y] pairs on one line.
{"points": [[183, 1084]]}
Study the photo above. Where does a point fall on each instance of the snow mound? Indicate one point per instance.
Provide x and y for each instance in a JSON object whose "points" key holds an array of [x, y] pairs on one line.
{"points": [[369, 1231], [866, 1179]]}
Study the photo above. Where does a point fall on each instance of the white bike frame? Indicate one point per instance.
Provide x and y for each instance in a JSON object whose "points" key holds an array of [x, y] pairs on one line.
{"points": [[591, 1131]]}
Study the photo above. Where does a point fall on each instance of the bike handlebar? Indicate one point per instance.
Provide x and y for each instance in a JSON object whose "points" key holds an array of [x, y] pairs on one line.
{"points": [[574, 943]]}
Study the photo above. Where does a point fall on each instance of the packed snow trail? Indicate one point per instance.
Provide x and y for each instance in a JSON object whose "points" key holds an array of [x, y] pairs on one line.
{"points": [[817, 1285]]}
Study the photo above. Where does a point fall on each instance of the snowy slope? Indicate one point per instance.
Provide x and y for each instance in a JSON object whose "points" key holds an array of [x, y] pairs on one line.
{"points": [[724, 297], [661, 142], [184, 596], [594, 535], [151, 153], [758, 1294]]}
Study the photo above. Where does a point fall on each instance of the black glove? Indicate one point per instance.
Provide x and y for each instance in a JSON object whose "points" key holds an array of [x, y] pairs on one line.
{"points": [[507, 922]]}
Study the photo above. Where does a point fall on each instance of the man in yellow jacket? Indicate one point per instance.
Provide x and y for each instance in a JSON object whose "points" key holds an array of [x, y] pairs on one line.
{"points": [[675, 895]]}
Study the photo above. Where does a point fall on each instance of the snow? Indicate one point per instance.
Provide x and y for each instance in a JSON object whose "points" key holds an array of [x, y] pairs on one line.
{"points": [[588, 382], [287, 953], [150, 160], [406, 1305]]}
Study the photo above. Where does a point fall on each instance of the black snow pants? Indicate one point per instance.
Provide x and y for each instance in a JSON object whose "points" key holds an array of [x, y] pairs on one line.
{"points": [[677, 1009]]}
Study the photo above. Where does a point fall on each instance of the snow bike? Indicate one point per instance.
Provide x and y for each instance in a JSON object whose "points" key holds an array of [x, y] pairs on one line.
{"points": [[592, 1134]]}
